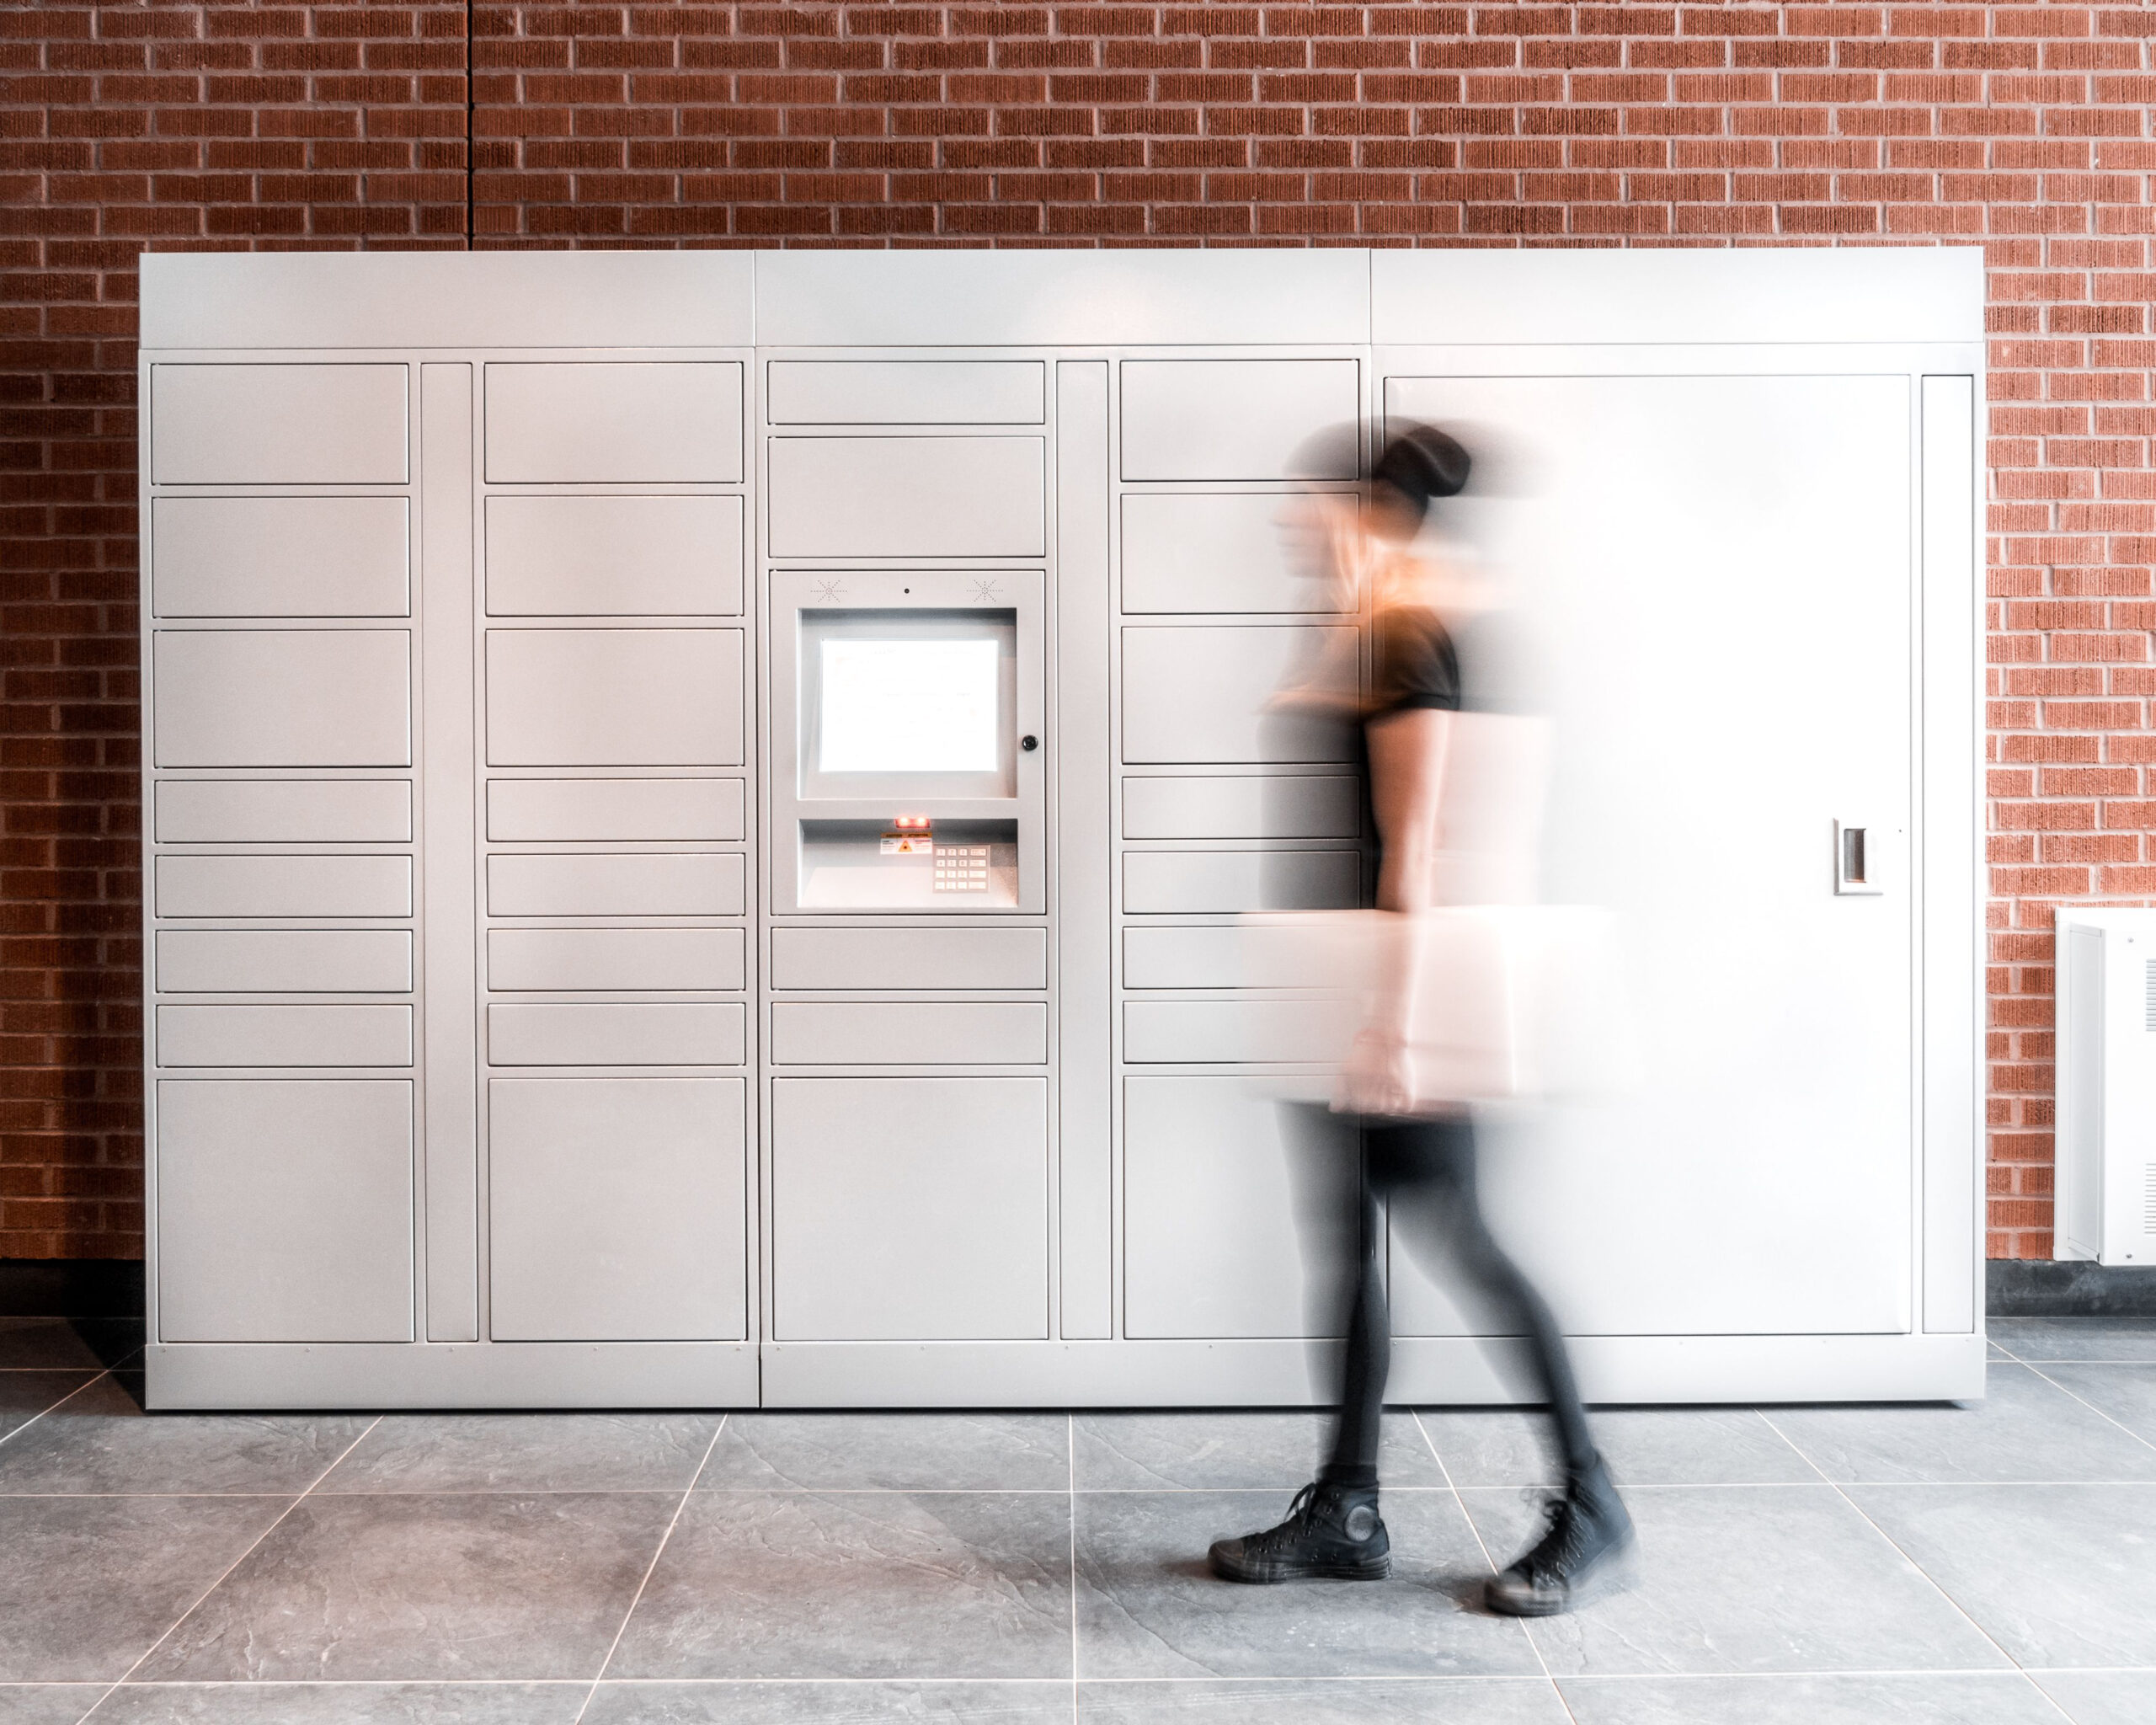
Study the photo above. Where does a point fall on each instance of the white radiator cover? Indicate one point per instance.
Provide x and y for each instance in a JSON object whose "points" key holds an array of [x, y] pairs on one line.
{"points": [[2106, 1200]]}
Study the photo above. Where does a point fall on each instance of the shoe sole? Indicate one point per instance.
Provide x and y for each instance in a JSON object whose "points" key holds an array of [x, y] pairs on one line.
{"points": [[1614, 1575], [1271, 1574]]}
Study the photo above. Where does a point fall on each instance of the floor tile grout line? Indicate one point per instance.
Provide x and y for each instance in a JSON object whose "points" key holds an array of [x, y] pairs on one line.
{"points": [[252, 1545], [9, 1437], [651, 1568], [2084, 1402], [1070, 1457], [1937, 1586], [1460, 1504], [1460, 1679]]}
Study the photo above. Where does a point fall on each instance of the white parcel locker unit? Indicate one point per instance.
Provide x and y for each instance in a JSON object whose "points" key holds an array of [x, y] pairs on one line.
{"points": [[716, 819], [2107, 1086]]}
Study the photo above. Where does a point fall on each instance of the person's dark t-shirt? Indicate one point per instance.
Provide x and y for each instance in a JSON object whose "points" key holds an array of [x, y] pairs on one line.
{"points": [[1414, 664]]}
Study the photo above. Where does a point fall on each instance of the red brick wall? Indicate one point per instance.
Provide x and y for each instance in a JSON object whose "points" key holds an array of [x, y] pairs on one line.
{"points": [[123, 126], [2025, 128]]}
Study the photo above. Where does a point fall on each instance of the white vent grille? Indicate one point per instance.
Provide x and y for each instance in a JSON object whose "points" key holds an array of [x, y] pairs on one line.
{"points": [[2148, 993], [2148, 1198]]}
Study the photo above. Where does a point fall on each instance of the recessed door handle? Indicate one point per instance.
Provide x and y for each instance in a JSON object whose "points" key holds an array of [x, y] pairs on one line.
{"points": [[1859, 857]]}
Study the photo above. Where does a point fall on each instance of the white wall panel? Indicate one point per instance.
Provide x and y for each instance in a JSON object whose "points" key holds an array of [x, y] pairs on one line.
{"points": [[279, 424], [908, 497], [284, 1210], [625, 422], [617, 1208], [283, 697], [280, 556], [614, 697], [614, 556]]}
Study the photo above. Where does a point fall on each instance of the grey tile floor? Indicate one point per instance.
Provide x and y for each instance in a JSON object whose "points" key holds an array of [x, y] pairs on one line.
{"points": [[1800, 1566]]}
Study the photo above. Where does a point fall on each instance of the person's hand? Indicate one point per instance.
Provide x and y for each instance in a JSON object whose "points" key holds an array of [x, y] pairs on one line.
{"points": [[1377, 1076]]}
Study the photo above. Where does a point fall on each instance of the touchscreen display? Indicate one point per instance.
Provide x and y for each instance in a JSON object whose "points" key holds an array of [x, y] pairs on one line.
{"points": [[908, 705]]}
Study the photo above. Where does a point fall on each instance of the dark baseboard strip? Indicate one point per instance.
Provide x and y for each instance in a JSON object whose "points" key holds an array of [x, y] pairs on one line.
{"points": [[2040, 1288], [70, 1287]]}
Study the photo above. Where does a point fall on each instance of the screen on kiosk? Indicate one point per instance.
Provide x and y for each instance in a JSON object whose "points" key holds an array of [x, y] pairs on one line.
{"points": [[907, 707]]}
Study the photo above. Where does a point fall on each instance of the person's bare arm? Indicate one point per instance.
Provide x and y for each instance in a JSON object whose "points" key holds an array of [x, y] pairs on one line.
{"points": [[1407, 753]]}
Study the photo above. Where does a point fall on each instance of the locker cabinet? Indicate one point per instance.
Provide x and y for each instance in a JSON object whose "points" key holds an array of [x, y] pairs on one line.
{"points": [[728, 828]]}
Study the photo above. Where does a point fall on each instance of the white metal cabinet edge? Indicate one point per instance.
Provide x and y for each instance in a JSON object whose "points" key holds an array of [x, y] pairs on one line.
{"points": [[1806, 294], [256, 299]]}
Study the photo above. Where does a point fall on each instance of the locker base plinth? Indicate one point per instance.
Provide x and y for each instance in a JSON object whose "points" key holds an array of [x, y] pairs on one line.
{"points": [[1042, 1374], [1426, 1371], [454, 1374]]}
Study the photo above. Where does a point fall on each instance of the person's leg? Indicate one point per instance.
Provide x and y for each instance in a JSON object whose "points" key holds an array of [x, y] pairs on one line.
{"points": [[1369, 1357], [1333, 1530], [1589, 1531], [1444, 1164]]}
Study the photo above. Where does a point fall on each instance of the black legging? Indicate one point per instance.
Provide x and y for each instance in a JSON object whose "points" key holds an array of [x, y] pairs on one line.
{"points": [[1432, 1163]]}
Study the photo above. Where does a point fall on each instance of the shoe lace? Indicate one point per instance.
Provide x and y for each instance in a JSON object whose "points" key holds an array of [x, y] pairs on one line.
{"points": [[1300, 1514], [1559, 1550]]}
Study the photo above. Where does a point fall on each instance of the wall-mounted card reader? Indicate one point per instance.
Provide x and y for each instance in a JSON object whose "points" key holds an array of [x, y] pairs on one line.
{"points": [[906, 767]]}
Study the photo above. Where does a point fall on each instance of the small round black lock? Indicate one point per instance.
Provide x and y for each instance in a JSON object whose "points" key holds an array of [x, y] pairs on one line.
{"points": [[1029, 744]]}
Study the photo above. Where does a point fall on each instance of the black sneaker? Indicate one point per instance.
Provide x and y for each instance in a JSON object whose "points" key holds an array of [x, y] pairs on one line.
{"points": [[1332, 1533], [1583, 1556]]}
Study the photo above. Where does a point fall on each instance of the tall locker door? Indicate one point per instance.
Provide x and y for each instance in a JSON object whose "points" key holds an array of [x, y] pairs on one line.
{"points": [[1718, 620]]}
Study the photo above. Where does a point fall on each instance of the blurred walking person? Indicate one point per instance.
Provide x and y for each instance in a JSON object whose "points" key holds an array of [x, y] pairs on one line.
{"points": [[1456, 779]]}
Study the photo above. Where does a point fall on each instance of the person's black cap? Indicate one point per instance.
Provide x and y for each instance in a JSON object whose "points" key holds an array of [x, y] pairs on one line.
{"points": [[1421, 463]]}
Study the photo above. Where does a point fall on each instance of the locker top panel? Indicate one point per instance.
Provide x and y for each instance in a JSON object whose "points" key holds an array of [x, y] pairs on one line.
{"points": [[1051, 299], [1046, 299], [448, 300], [1906, 293]]}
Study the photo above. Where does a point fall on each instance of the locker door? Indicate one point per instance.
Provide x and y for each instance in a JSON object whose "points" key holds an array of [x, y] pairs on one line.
{"points": [[1720, 615]]}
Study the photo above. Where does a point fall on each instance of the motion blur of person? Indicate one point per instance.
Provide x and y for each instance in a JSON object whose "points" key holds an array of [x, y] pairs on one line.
{"points": [[1456, 789]]}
